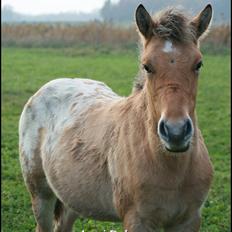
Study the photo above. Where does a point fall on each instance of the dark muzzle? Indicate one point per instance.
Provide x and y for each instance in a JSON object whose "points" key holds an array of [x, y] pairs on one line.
{"points": [[176, 135]]}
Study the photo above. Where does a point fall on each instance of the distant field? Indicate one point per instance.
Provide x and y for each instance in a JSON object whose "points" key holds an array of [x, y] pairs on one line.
{"points": [[26, 70]]}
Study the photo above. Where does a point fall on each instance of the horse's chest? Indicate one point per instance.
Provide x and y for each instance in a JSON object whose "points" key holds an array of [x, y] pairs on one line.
{"points": [[164, 206]]}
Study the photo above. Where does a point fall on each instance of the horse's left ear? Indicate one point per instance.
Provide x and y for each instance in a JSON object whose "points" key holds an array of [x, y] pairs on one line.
{"points": [[202, 20]]}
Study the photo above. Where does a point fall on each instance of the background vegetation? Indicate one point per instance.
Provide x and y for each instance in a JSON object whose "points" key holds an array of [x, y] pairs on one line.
{"points": [[95, 35], [33, 54]]}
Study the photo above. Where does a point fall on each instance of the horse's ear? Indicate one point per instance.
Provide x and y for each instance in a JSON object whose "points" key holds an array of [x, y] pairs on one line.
{"points": [[202, 20], [144, 21]]}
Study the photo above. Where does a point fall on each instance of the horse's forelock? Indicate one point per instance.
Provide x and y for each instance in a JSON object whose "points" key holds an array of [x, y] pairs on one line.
{"points": [[172, 24]]}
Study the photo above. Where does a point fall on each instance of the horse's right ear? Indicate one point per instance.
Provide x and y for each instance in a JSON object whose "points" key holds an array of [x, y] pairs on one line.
{"points": [[144, 21]]}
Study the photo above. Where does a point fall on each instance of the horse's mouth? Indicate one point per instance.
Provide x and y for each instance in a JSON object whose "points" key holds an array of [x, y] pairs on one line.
{"points": [[177, 149]]}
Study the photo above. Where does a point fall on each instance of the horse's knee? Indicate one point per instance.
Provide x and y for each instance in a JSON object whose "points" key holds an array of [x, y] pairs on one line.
{"points": [[132, 222], [192, 224]]}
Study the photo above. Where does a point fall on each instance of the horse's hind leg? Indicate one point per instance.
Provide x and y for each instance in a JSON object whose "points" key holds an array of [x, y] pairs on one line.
{"points": [[31, 133], [43, 201], [42, 197], [43, 208], [64, 218]]}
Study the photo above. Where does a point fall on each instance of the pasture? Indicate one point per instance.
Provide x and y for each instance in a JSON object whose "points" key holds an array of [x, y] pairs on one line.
{"points": [[26, 70]]}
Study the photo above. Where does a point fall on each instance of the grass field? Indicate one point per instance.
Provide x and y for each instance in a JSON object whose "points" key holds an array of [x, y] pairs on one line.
{"points": [[26, 70]]}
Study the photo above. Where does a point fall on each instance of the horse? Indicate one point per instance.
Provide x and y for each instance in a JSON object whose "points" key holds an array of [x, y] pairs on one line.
{"points": [[86, 152]]}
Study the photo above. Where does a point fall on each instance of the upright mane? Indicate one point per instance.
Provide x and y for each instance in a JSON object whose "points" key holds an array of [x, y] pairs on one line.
{"points": [[170, 24]]}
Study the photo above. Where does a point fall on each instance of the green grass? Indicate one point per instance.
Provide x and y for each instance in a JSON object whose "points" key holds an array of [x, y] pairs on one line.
{"points": [[26, 70]]}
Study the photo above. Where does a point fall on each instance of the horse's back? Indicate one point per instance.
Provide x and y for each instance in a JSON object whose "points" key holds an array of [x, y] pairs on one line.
{"points": [[61, 100], [57, 96]]}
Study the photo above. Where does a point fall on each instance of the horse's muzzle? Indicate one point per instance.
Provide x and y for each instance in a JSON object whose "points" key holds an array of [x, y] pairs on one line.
{"points": [[177, 135]]}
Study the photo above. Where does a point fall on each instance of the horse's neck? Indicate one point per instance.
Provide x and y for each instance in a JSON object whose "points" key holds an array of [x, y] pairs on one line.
{"points": [[141, 146]]}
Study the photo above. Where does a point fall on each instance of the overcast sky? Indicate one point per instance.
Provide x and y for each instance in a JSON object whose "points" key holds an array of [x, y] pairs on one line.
{"points": [[53, 6]]}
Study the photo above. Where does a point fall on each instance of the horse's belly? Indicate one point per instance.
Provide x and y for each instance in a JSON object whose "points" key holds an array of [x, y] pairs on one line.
{"points": [[89, 201], [78, 174], [83, 185]]}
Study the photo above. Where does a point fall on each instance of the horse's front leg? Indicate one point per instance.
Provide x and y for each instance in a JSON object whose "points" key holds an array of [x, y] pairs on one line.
{"points": [[192, 224], [132, 222]]}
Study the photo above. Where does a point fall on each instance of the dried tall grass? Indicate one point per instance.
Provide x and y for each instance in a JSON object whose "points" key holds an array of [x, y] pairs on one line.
{"points": [[91, 34], [66, 35], [220, 35]]}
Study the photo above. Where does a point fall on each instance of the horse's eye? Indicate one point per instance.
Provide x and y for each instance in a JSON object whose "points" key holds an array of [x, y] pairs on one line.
{"points": [[147, 68], [198, 66]]}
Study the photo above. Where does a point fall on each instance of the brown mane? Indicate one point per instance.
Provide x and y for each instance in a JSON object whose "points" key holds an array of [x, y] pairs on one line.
{"points": [[169, 24]]}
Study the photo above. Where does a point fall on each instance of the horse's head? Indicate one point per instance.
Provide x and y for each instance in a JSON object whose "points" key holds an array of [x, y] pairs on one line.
{"points": [[171, 60]]}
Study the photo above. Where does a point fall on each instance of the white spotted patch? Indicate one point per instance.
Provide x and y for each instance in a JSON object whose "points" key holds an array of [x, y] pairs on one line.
{"points": [[168, 47], [54, 107]]}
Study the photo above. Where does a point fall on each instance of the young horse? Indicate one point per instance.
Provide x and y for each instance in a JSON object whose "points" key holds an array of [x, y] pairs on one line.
{"points": [[86, 152]]}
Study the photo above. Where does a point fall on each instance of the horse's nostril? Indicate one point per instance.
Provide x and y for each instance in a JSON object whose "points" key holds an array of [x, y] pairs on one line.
{"points": [[163, 130], [188, 128]]}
